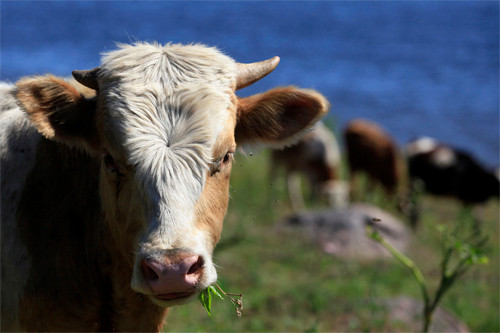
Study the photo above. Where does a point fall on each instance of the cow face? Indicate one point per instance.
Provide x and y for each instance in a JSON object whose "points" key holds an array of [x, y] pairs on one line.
{"points": [[165, 123]]}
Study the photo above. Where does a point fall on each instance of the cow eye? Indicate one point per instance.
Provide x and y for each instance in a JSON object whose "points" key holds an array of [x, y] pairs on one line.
{"points": [[109, 161], [222, 162], [227, 158]]}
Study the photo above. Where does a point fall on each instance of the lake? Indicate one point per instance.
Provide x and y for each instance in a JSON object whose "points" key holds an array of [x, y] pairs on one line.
{"points": [[417, 68]]}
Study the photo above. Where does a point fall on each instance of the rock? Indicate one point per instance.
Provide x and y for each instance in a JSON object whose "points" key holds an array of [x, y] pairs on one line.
{"points": [[342, 232], [409, 312]]}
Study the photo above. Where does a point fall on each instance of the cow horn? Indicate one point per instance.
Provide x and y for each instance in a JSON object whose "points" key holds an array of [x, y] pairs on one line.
{"points": [[88, 77], [251, 73]]}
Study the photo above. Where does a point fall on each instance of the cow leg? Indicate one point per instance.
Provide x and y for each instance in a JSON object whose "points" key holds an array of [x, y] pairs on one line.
{"points": [[371, 188], [478, 214], [474, 215], [412, 202], [295, 191], [353, 184]]}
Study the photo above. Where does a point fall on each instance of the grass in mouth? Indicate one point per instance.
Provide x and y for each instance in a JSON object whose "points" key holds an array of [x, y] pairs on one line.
{"points": [[205, 299]]}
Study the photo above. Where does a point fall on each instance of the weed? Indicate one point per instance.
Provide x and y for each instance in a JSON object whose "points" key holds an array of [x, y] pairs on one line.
{"points": [[466, 250]]}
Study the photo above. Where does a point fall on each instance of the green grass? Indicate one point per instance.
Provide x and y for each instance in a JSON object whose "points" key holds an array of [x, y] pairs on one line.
{"points": [[289, 284]]}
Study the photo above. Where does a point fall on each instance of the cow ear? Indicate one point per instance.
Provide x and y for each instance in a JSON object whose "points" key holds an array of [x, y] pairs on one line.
{"points": [[58, 110], [278, 117]]}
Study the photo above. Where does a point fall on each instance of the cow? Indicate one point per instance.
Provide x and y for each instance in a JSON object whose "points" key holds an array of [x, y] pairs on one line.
{"points": [[112, 205], [448, 171], [317, 156], [371, 150]]}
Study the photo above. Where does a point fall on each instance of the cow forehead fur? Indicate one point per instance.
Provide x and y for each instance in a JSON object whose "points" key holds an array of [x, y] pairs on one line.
{"points": [[163, 108]]}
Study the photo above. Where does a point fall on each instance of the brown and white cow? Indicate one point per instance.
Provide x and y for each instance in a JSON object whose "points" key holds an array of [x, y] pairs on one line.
{"points": [[112, 205], [316, 156]]}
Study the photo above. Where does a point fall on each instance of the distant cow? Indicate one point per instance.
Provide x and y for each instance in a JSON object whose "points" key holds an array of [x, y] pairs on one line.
{"points": [[317, 156], [448, 171], [112, 205], [370, 149]]}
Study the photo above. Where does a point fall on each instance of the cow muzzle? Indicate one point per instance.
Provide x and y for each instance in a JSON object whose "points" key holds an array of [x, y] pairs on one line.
{"points": [[172, 279]]}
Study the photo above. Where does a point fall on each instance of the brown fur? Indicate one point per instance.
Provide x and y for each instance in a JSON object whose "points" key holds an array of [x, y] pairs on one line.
{"points": [[86, 292], [278, 114], [67, 238], [57, 109], [370, 149], [207, 209]]}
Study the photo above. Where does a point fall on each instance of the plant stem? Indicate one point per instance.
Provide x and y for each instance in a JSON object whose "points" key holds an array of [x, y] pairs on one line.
{"points": [[428, 308], [408, 263], [237, 303]]}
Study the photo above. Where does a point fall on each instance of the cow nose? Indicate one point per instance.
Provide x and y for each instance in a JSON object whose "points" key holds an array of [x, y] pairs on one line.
{"points": [[169, 277]]}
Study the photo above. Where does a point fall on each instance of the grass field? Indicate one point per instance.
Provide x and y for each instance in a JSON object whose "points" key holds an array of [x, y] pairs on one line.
{"points": [[289, 284]]}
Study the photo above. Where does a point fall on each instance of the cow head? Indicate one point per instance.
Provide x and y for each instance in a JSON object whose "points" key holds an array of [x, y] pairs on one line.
{"points": [[165, 123]]}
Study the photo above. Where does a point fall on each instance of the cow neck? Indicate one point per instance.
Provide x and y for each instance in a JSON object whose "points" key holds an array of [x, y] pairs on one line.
{"points": [[58, 215]]}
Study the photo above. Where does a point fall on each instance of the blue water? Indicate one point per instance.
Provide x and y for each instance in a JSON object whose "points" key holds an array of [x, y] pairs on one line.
{"points": [[418, 68]]}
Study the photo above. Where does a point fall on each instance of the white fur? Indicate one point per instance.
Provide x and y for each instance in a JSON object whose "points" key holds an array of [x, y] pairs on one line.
{"points": [[420, 146], [171, 103], [329, 145], [444, 157], [7, 101]]}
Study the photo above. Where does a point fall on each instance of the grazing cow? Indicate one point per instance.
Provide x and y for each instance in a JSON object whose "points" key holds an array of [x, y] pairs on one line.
{"points": [[448, 171], [112, 205], [372, 150], [317, 156]]}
